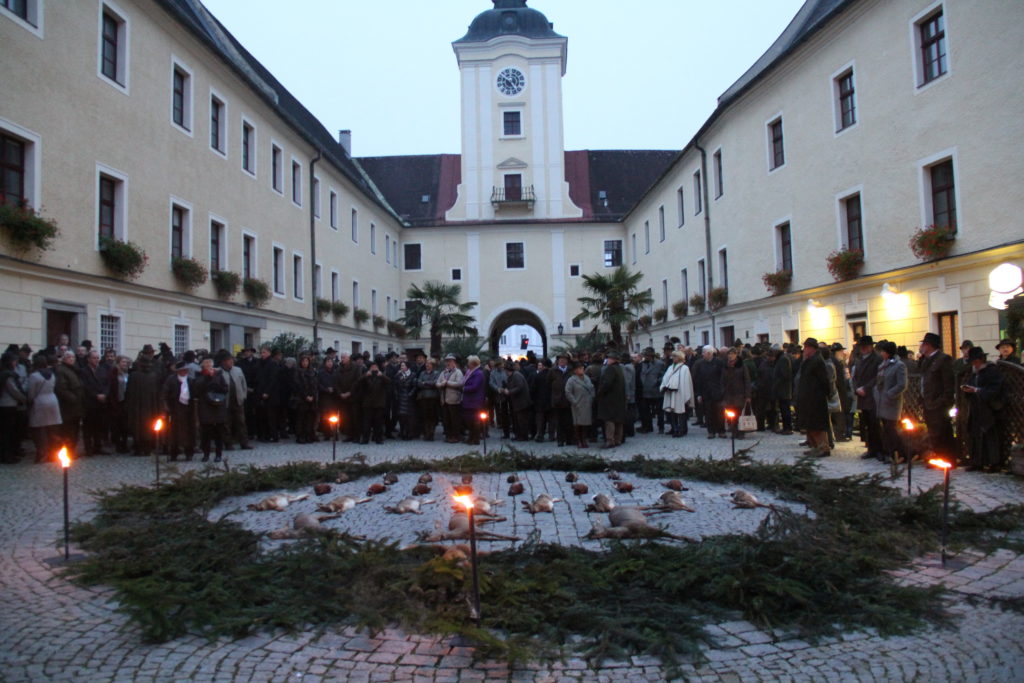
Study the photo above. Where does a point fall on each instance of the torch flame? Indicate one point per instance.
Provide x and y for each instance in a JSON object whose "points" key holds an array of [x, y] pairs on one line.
{"points": [[940, 463], [158, 426], [333, 419], [908, 424], [465, 501], [484, 416], [62, 455], [953, 411], [730, 414]]}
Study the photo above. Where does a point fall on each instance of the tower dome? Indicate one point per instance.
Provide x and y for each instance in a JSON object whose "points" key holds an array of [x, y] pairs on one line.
{"points": [[509, 17]]}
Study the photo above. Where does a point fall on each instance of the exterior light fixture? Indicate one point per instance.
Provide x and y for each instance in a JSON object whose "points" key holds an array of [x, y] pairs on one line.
{"points": [[1005, 282]]}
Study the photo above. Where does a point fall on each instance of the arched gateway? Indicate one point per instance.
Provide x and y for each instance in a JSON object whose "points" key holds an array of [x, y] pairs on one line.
{"points": [[515, 316]]}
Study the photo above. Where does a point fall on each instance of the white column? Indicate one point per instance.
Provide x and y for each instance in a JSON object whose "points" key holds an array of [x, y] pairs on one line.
{"points": [[558, 276]]}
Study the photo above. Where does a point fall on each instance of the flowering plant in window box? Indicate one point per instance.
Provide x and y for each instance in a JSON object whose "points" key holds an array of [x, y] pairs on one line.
{"points": [[660, 315], [126, 259], [717, 298], [256, 290], [360, 315], [631, 326], [25, 228], [190, 272], [933, 242], [339, 309], [397, 329], [226, 283], [697, 303], [643, 322], [378, 322], [845, 264], [777, 282], [680, 309], [323, 307]]}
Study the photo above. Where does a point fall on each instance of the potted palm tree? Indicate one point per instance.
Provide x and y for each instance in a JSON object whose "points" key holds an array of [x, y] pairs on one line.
{"points": [[435, 306], [614, 299]]}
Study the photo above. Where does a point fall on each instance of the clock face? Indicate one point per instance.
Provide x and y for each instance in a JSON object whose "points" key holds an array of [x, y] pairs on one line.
{"points": [[511, 81]]}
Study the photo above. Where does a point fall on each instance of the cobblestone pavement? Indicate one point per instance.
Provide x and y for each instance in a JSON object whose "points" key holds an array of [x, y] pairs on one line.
{"points": [[53, 630]]}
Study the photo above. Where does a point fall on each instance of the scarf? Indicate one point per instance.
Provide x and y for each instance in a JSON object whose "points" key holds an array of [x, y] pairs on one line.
{"points": [[183, 395]]}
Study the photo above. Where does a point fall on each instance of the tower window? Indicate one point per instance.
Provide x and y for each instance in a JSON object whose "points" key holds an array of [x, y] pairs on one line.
{"points": [[513, 123]]}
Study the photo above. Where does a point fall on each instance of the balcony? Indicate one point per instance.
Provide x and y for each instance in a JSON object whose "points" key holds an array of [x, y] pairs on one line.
{"points": [[512, 197]]}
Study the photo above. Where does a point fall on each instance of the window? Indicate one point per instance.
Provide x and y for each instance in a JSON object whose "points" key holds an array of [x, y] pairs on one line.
{"points": [[728, 333], [686, 284], [248, 148], [513, 123], [278, 271], [318, 275], [394, 253], [296, 183], [297, 284], [373, 238], [456, 274], [948, 329], [333, 209], [218, 122], [612, 253], [179, 231], [664, 294], [698, 194], [413, 256], [647, 237], [932, 37], [12, 168], [355, 226], [846, 101], [355, 294], [181, 335], [113, 46], [776, 148], [334, 286], [661, 223], [574, 270], [681, 201], [784, 236], [276, 169], [315, 189], [515, 255], [217, 261], [723, 267], [28, 13], [943, 190], [853, 227], [513, 187], [716, 165], [702, 274], [387, 248], [110, 332], [632, 244], [248, 252], [181, 97], [387, 308], [373, 302], [111, 206]]}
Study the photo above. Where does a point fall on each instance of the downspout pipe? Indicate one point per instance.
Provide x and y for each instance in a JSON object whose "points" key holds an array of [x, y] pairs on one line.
{"points": [[312, 250], [707, 233]]}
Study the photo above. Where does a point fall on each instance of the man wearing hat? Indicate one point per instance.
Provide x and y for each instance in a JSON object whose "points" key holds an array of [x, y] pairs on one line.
{"points": [[179, 402], [984, 392], [1007, 350], [938, 392], [651, 371], [450, 385], [962, 365], [813, 391], [557, 378], [862, 378], [238, 391], [611, 401]]}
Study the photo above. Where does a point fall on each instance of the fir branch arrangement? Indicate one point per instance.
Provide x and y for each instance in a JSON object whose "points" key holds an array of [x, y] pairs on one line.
{"points": [[188, 271], [697, 303], [126, 260], [845, 264], [339, 309], [660, 315], [778, 282], [256, 291], [26, 228], [718, 298], [323, 307], [378, 322], [680, 308], [226, 283], [933, 242], [360, 315]]}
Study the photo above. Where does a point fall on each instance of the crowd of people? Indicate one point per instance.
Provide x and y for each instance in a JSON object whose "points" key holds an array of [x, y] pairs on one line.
{"points": [[97, 402]]}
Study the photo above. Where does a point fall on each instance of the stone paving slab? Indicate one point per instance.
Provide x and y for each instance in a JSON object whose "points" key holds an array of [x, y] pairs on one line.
{"points": [[53, 630]]}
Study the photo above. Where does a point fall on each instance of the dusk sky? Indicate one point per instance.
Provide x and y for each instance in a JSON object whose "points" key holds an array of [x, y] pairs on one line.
{"points": [[640, 75]]}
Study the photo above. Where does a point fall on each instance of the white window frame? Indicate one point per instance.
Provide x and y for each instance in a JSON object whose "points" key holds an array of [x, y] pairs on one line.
{"points": [[387, 248], [723, 270], [355, 295], [373, 237], [253, 146], [36, 11], [387, 308], [647, 237], [188, 105], [254, 270], [924, 187], [332, 207], [33, 168], [405, 265], [335, 285], [110, 313], [298, 276], [278, 269], [840, 203], [837, 105], [698, 192], [522, 124], [315, 191], [777, 241], [632, 244], [277, 175], [355, 225], [176, 323], [373, 301], [318, 280], [120, 202], [223, 132], [224, 239], [702, 275], [296, 180], [394, 253], [504, 254], [770, 149], [915, 46], [120, 82], [186, 226], [664, 293], [718, 173], [681, 205], [661, 223], [684, 281]]}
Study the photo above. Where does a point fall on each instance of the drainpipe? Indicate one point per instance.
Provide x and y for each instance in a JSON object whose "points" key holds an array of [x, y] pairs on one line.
{"points": [[707, 233], [312, 249]]}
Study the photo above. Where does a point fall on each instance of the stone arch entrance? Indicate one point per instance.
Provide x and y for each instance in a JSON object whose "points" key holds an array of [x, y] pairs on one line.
{"points": [[515, 316]]}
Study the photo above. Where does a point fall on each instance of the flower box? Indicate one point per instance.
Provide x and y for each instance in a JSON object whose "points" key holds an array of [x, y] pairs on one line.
{"points": [[697, 303], [933, 242], [256, 290], [660, 315], [189, 272], [25, 228], [226, 283], [718, 298], [777, 282], [126, 260], [339, 309], [680, 309], [845, 264]]}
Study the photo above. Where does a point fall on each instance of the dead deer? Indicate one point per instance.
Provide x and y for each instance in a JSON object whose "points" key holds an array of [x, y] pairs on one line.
{"points": [[579, 488], [390, 478], [277, 502], [303, 525], [630, 522], [425, 478], [515, 489], [342, 478], [602, 503], [747, 501], [512, 478], [341, 504], [670, 501], [542, 503], [571, 477], [356, 459], [375, 489], [623, 487], [322, 489], [420, 489], [408, 505], [613, 475], [458, 530], [675, 485]]}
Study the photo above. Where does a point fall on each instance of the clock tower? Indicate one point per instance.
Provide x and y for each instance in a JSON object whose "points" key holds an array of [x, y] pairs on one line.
{"points": [[511, 64]]}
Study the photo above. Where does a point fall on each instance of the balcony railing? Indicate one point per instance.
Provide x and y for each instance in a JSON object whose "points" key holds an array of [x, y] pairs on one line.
{"points": [[513, 196]]}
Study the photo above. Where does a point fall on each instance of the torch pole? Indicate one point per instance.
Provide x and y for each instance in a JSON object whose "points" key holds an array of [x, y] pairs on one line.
{"points": [[945, 512], [472, 559], [67, 552], [910, 467], [334, 444], [733, 433]]}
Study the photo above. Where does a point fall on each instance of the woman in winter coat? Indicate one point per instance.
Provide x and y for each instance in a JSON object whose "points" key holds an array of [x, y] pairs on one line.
{"points": [[892, 382], [71, 398], [677, 394], [579, 391], [405, 401], [326, 399], [44, 409], [427, 399], [305, 392], [142, 396], [212, 393], [735, 389]]}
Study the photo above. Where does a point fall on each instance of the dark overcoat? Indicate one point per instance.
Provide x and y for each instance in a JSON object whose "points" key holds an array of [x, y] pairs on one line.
{"points": [[812, 394]]}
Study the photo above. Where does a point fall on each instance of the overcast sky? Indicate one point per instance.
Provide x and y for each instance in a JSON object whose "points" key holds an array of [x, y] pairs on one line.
{"points": [[641, 75]]}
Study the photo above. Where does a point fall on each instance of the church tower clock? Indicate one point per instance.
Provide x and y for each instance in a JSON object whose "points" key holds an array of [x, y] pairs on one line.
{"points": [[511, 64]]}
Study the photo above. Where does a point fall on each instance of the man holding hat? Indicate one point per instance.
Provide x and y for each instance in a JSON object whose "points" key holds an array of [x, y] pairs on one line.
{"points": [[938, 391], [984, 392], [1007, 350], [179, 401], [863, 377]]}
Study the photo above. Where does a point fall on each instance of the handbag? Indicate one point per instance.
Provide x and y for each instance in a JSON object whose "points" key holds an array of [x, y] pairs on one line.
{"points": [[747, 422]]}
